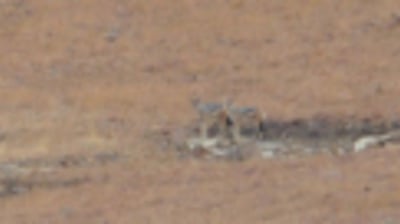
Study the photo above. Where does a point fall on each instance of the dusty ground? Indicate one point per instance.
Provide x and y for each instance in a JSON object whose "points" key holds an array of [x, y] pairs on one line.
{"points": [[87, 78]]}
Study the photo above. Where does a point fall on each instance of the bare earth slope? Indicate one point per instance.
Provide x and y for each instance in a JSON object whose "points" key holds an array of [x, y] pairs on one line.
{"points": [[88, 86]]}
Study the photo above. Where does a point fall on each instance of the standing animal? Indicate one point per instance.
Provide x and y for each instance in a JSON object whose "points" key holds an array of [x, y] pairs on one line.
{"points": [[231, 121], [211, 114]]}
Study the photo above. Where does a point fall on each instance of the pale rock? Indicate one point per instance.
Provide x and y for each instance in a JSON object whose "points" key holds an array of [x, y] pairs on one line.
{"points": [[267, 154], [268, 149], [366, 142], [207, 143]]}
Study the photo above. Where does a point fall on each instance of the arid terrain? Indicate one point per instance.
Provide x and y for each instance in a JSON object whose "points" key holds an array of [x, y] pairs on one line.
{"points": [[90, 89]]}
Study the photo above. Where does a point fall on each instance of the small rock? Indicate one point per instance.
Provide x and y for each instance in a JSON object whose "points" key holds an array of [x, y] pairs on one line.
{"points": [[366, 142], [267, 154], [269, 149], [194, 143], [219, 152]]}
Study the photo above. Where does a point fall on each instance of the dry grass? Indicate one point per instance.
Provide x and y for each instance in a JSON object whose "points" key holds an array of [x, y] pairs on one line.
{"points": [[84, 77]]}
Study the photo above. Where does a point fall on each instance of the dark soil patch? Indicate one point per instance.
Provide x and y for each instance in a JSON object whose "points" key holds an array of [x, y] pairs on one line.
{"points": [[326, 128], [301, 136]]}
